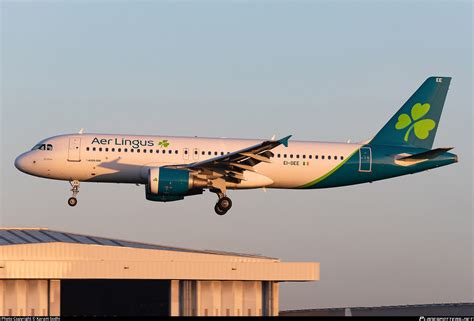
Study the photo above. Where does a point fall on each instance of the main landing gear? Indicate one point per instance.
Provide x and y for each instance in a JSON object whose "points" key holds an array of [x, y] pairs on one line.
{"points": [[72, 201], [223, 205]]}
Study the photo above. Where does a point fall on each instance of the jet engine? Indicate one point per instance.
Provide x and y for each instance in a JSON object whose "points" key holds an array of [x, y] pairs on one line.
{"points": [[170, 184]]}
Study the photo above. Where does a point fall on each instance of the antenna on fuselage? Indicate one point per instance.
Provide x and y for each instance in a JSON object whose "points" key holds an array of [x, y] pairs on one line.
{"points": [[81, 131]]}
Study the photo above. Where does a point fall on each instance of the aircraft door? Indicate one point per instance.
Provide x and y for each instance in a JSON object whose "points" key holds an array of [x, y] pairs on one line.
{"points": [[74, 150], [365, 159], [196, 154]]}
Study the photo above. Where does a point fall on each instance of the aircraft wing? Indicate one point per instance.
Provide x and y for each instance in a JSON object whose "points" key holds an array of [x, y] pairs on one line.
{"points": [[230, 167]]}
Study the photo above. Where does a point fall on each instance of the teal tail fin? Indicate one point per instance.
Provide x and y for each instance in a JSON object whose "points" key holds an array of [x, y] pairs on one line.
{"points": [[415, 124]]}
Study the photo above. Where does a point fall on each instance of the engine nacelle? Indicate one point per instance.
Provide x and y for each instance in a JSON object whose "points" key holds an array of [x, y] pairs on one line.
{"points": [[170, 184]]}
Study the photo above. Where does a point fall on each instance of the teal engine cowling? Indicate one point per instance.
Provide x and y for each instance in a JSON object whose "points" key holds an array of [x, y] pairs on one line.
{"points": [[170, 184]]}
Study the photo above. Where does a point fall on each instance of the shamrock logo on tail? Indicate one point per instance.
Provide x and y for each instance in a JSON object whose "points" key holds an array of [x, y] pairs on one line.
{"points": [[422, 126], [164, 143]]}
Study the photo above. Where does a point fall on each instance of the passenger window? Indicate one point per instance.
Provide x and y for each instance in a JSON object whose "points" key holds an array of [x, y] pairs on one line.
{"points": [[215, 153], [144, 150], [93, 149], [297, 155], [195, 152], [176, 151], [304, 156], [278, 155], [170, 151], [222, 153], [131, 150], [291, 155], [208, 153], [87, 148], [119, 150], [106, 149], [329, 156], [185, 152], [138, 150], [284, 155], [125, 150], [163, 151], [342, 157], [113, 149], [316, 156], [100, 149], [322, 156], [203, 153], [151, 151], [310, 156]]}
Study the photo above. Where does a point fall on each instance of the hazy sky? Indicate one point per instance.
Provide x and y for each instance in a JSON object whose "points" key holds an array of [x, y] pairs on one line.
{"points": [[318, 70]]}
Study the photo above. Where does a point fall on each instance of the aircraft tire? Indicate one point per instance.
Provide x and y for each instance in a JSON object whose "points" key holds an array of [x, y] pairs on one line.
{"points": [[72, 201], [219, 211], [224, 203]]}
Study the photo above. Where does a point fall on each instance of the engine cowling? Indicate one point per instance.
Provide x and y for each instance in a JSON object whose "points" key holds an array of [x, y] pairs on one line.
{"points": [[170, 184]]}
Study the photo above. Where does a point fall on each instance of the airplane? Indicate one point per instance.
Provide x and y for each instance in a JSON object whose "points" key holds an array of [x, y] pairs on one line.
{"points": [[172, 168]]}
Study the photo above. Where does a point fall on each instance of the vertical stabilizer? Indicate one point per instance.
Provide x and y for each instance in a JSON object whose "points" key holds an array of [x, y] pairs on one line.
{"points": [[416, 123]]}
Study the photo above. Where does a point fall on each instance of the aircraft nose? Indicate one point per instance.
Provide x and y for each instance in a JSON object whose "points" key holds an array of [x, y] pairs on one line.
{"points": [[21, 163]]}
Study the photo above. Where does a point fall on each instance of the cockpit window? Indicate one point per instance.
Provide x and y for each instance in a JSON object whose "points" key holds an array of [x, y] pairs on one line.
{"points": [[43, 147], [39, 146]]}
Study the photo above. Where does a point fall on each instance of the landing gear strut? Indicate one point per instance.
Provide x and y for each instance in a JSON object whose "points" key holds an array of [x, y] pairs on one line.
{"points": [[72, 201], [223, 205]]}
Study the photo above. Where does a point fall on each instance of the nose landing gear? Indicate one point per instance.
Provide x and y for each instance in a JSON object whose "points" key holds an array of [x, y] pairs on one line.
{"points": [[72, 201]]}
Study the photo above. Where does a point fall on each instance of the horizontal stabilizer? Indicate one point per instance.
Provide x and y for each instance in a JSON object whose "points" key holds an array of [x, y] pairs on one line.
{"points": [[427, 155]]}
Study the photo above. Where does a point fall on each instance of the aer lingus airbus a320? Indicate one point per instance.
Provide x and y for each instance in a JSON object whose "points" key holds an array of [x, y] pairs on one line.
{"points": [[172, 168]]}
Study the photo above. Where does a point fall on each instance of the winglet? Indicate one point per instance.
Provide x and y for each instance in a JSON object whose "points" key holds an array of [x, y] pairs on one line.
{"points": [[284, 140]]}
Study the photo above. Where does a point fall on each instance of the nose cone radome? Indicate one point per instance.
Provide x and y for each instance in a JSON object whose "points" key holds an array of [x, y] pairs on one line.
{"points": [[22, 163]]}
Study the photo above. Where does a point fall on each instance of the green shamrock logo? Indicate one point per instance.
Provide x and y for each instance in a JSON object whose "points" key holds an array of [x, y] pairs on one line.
{"points": [[422, 126], [164, 143]]}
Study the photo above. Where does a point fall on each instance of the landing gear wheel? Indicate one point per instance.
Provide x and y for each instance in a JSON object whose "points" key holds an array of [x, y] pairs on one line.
{"points": [[219, 211], [224, 203], [72, 201]]}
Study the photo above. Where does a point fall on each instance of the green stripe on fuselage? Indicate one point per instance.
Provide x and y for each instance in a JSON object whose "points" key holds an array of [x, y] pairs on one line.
{"points": [[317, 180], [383, 166]]}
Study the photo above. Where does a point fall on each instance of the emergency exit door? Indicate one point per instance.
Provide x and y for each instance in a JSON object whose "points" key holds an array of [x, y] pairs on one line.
{"points": [[185, 153], [74, 151], [196, 154]]}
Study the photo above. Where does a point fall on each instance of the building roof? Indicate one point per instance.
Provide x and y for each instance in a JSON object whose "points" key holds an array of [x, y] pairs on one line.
{"points": [[435, 309], [35, 253], [13, 236]]}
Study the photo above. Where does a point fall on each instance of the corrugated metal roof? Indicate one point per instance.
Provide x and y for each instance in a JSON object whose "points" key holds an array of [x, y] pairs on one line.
{"points": [[12, 236], [404, 306]]}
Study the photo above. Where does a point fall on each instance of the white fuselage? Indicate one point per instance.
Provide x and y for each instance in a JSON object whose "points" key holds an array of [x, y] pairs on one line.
{"points": [[128, 158]]}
